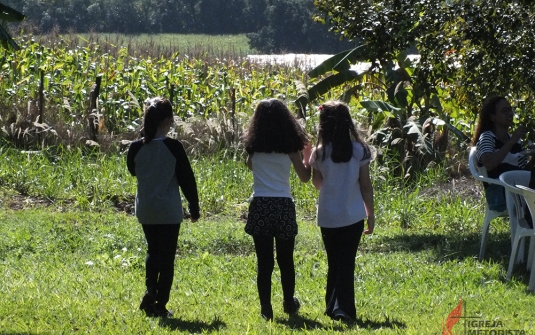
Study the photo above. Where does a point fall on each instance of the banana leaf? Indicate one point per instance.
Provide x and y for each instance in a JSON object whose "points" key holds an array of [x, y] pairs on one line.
{"points": [[326, 84], [9, 14], [5, 39], [341, 62], [378, 106]]}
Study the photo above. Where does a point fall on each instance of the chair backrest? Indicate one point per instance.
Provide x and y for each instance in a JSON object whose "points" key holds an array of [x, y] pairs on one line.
{"points": [[529, 197], [516, 204], [513, 178], [479, 172]]}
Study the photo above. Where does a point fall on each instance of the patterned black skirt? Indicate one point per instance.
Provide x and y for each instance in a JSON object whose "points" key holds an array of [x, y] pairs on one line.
{"points": [[272, 216]]}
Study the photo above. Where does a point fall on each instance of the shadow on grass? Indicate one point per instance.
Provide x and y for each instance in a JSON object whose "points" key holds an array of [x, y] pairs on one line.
{"points": [[454, 247], [298, 322], [370, 324], [447, 246], [192, 326]]}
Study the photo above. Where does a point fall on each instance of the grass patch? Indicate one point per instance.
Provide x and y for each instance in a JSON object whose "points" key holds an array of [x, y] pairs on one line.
{"points": [[158, 45], [73, 260], [82, 272]]}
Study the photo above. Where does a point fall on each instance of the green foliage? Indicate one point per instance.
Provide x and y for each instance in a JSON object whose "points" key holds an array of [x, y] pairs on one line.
{"points": [[272, 26], [200, 88], [8, 14], [474, 48], [407, 128]]}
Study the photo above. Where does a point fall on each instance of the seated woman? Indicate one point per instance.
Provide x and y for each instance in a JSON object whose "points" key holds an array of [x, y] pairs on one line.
{"points": [[496, 149]]}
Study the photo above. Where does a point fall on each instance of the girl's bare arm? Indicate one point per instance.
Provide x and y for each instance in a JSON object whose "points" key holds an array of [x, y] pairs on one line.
{"points": [[366, 189], [301, 168]]}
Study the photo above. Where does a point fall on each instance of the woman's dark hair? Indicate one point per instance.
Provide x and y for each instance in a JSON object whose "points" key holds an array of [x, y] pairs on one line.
{"points": [[337, 128], [484, 122], [157, 110], [273, 128]]}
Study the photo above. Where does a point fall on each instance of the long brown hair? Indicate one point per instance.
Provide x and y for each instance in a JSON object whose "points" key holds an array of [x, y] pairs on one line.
{"points": [[273, 128], [337, 128], [484, 121]]}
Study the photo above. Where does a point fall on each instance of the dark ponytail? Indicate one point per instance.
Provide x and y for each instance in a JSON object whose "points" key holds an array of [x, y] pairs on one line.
{"points": [[157, 111]]}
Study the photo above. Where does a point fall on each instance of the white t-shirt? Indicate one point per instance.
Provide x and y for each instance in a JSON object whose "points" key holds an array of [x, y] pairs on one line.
{"points": [[340, 201], [271, 175]]}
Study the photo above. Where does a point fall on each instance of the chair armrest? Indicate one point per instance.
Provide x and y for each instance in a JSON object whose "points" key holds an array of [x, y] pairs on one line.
{"points": [[525, 188], [489, 180]]}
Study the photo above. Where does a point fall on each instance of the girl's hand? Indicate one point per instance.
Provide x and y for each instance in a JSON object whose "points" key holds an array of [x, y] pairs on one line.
{"points": [[306, 153], [371, 226], [519, 133]]}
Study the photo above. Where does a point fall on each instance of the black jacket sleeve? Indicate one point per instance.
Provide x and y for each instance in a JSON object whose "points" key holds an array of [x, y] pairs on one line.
{"points": [[132, 152], [185, 176]]}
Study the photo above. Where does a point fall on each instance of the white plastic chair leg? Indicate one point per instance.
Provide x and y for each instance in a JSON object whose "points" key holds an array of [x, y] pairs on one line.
{"points": [[521, 251], [484, 234], [531, 251], [512, 258], [531, 285]]}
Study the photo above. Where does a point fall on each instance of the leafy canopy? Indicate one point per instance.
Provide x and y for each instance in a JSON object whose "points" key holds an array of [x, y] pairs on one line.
{"points": [[483, 47]]}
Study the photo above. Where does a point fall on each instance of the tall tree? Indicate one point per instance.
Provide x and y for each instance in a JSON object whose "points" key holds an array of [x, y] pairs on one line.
{"points": [[483, 46], [290, 27]]}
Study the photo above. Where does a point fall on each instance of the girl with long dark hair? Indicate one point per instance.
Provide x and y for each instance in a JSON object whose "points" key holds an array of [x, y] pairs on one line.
{"points": [[341, 171]]}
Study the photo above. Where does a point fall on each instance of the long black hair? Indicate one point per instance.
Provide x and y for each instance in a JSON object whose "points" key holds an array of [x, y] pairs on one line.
{"points": [[157, 110], [273, 128], [337, 128], [484, 122]]}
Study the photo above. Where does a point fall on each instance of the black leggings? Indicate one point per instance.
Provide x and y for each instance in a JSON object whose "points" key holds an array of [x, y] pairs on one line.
{"points": [[160, 262], [266, 263], [341, 245]]}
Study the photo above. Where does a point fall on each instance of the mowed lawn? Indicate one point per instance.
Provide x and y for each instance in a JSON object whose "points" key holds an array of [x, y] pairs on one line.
{"points": [[82, 273]]}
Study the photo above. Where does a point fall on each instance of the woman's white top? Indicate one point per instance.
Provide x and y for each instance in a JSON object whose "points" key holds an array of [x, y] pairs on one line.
{"points": [[271, 175], [340, 201]]}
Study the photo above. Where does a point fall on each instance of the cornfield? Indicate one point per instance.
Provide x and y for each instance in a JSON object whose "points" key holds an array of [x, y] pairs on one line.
{"points": [[45, 93]]}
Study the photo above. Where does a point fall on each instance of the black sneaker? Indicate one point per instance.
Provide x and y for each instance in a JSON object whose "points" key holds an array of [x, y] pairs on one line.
{"points": [[291, 307], [147, 304], [340, 315], [161, 312], [267, 312]]}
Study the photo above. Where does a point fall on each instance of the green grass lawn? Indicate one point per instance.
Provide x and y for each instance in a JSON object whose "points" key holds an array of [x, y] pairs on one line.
{"points": [[82, 273], [73, 260]]}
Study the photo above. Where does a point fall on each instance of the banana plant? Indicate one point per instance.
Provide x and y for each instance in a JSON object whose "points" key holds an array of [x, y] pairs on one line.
{"points": [[407, 127], [8, 14]]}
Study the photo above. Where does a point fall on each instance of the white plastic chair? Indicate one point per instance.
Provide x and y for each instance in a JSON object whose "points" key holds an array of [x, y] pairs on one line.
{"points": [[480, 173], [516, 205], [523, 231]]}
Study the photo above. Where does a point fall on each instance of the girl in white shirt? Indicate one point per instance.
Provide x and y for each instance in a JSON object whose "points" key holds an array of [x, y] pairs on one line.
{"points": [[341, 171], [273, 142]]}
